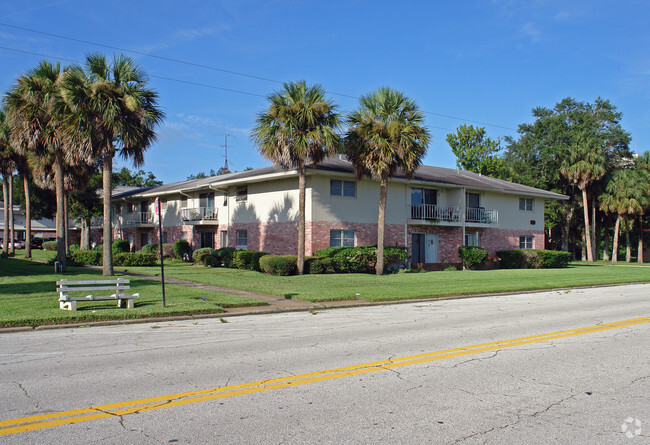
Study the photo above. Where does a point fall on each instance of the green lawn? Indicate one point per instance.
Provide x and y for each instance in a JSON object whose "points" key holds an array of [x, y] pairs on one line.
{"points": [[28, 297], [406, 285]]}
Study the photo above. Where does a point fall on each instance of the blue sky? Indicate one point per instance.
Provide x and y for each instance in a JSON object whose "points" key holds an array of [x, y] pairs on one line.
{"points": [[481, 61]]}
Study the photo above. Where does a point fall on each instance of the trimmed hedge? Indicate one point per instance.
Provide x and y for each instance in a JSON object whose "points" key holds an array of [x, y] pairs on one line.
{"points": [[86, 257], [331, 251], [181, 248], [208, 260], [49, 245], [99, 248], [149, 248], [121, 246], [135, 259], [319, 265], [362, 259], [247, 259], [533, 259], [472, 256], [224, 255], [282, 265], [196, 253], [201, 256]]}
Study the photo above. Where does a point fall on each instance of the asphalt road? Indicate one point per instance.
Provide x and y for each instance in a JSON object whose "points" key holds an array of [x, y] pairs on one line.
{"points": [[506, 369]]}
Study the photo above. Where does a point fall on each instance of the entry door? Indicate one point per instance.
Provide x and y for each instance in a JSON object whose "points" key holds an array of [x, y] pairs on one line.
{"points": [[431, 248]]}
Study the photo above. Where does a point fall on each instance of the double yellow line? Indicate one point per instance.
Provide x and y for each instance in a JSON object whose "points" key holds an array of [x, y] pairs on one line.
{"points": [[119, 409]]}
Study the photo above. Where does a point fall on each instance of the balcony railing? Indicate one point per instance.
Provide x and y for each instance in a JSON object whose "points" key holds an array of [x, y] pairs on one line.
{"points": [[134, 219], [479, 215], [430, 212], [199, 214]]}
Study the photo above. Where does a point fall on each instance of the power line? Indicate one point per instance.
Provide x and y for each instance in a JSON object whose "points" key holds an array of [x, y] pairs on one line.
{"points": [[169, 59]]}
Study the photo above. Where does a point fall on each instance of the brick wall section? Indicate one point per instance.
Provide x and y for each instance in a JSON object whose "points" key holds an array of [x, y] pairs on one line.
{"points": [[504, 239], [364, 233], [449, 239]]}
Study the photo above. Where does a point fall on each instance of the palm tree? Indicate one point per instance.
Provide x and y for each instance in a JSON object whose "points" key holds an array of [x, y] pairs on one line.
{"points": [[643, 166], [112, 112], [624, 195], [35, 109], [6, 167], [386, 134], [297, 129]]}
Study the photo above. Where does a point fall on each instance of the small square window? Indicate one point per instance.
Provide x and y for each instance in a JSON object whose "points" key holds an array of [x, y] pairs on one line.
{"points": [[242, 239], [526, 204], [472, 239], [526, 242], [339, 238]]}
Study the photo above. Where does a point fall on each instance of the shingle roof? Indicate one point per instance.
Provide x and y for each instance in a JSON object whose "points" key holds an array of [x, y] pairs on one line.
{"points": [[425, 173]]}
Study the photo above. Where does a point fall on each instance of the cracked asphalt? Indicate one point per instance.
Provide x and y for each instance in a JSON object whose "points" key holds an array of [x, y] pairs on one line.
{"points": [[578, 389]]}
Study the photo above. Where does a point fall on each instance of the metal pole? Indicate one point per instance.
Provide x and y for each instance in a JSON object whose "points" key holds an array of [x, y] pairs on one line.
{"points": [[162, 267]]}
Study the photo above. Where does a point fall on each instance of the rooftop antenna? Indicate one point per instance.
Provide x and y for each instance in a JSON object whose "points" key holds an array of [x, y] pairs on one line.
{"points": [[226, 155]]}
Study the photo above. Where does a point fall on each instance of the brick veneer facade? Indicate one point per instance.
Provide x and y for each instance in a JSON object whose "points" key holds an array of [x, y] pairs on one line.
{"points": [[282, 237]]}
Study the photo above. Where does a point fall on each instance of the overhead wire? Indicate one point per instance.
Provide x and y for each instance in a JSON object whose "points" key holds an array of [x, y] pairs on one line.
{"points": [[208, 67]]}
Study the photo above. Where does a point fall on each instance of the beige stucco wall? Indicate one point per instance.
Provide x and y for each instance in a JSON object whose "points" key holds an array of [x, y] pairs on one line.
{"points": [[510, 217], [269, 201]]}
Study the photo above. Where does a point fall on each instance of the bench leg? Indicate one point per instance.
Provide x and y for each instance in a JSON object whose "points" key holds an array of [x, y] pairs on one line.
{"points": [[125, 302], [68, 305]]}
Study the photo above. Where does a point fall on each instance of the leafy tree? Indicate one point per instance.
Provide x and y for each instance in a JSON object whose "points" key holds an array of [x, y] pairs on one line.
{"points": [[298, 128], [474, 151], [386, 133], [113, 112], [138, 178]]}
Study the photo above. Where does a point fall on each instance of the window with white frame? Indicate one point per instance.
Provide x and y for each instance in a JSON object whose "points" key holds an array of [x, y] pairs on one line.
{"points": [[526, 204], [472, 239], [242, 194], [339, 238], [526, 242], [346, 189], [242, 239]]}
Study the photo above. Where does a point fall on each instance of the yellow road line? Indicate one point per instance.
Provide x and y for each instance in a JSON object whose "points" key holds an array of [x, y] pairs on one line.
{"points": [[32, 423]]}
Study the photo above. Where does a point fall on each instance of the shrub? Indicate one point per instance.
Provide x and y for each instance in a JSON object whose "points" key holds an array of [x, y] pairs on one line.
{"points": [[201, 256], [472, 256], [168, 251], [331, 251], [149, 248], [86, 257], [196, 253], [182, 248], [49, 245], [362, 259], [279, 264], [247, 259], [319, 265], [74, 247], [533, 259], [135, 259], [209, 261], [121, 246], [99, 248], [225, 255]]}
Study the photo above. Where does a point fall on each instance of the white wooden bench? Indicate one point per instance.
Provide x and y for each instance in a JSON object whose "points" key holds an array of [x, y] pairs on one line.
{"points": [[118, 286]]}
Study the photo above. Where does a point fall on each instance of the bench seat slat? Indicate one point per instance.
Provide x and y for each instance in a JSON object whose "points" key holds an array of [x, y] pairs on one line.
{"points": [[73, 283], [89, 288]]}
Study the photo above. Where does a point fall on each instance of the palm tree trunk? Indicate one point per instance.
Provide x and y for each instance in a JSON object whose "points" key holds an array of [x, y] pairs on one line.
{"points": [[585, 204], [107, 172], [606, 245], [628, 246], [381, 220], [12, 233], [85, 234], [302, 176], [617, 228], [639, 255], [5, 200], [58, 182], [594, 240], [28, 218]]}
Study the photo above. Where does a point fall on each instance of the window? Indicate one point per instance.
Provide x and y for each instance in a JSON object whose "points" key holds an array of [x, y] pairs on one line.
{"points": [[184, 202], [129, 207], [118, 209], [340, 238], [224, 238], [473, 200], [343, 188], [526, 242], [242, 194], [242, 239], [206, 239], [164, 237], [526, 204], [472, 239], [163, 205]]}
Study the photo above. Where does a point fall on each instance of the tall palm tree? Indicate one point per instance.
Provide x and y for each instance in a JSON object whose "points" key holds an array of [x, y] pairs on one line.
{"points": [[386, 133], [6, 167], [643, 166], [624, 195], [297, 129], [35, 109], [112, 112]]}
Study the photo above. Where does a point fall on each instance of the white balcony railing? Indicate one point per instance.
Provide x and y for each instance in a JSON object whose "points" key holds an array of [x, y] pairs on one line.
{"points": [[479, 215], [133, 219], [199, 214], [430, 212]]}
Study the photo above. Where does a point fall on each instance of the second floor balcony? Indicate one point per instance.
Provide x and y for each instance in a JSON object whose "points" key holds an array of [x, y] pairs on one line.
{"points": [[201, 215], [451, 215], [134, 219]]}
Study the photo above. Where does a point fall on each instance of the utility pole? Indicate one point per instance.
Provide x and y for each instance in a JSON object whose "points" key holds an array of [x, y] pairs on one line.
{"points": [[226, 155]]}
